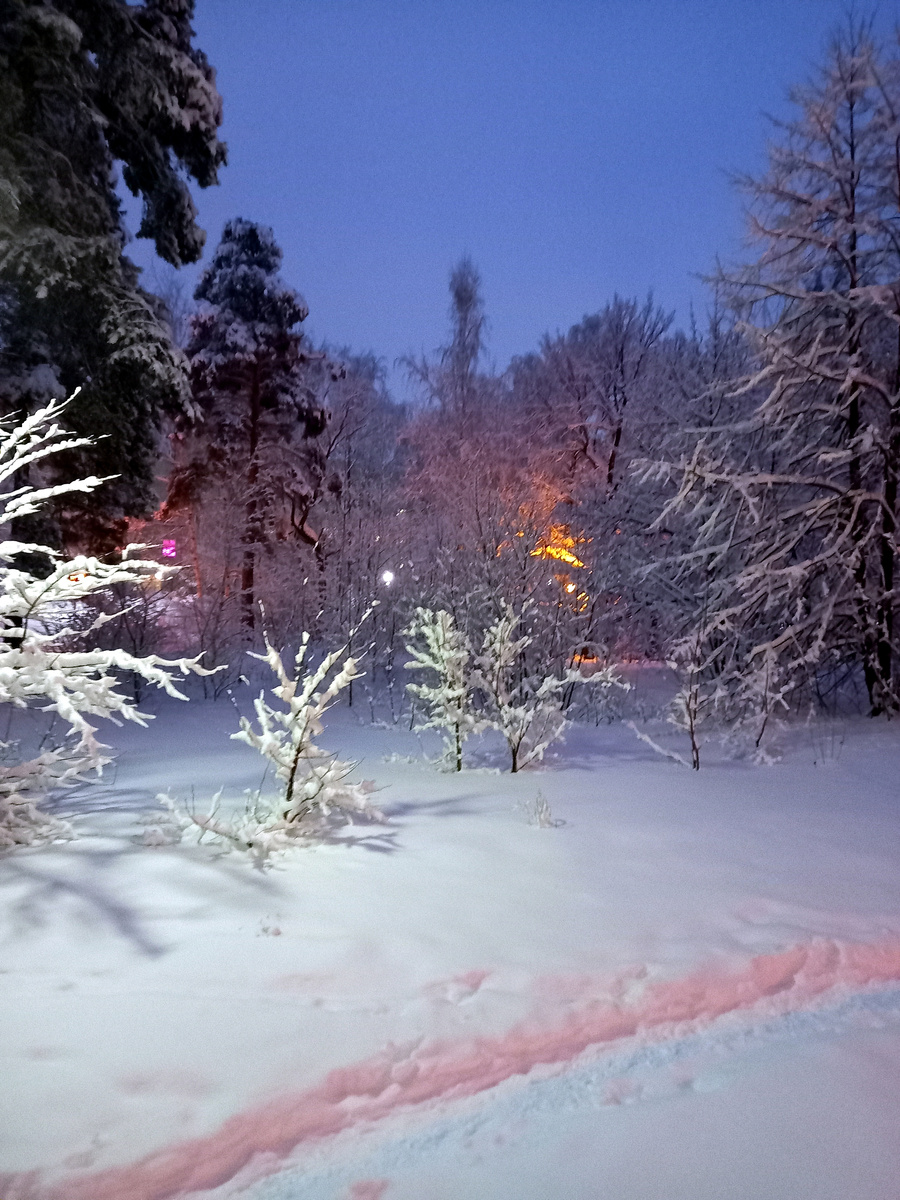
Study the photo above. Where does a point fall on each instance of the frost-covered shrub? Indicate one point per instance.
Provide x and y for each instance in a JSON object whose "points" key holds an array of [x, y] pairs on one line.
{"points": [[527, 708], [312, 783], [43, 661], [539, 813], [447, 700]]}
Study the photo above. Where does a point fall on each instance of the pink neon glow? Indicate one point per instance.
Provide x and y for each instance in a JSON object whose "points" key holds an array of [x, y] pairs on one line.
{"points": [[769, 984]]}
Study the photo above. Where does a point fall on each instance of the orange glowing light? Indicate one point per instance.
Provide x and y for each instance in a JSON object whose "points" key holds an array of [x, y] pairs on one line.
{"points": [[559, 544], [586, 658]]}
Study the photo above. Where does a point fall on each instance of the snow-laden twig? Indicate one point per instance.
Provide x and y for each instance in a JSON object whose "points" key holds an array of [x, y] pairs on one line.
{"points": [[648, 740], [539, 813]]}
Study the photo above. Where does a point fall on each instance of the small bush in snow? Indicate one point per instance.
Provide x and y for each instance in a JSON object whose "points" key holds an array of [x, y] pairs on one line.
{"points": [[313, 783], [526, 708], [41, 662], [539, 813]]}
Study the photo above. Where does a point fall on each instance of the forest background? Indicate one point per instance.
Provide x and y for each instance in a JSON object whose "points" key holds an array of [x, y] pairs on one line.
{"points": [[722, 498]]}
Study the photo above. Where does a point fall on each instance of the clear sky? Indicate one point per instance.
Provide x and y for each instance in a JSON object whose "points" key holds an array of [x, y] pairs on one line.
{"points": [[573, 148]]}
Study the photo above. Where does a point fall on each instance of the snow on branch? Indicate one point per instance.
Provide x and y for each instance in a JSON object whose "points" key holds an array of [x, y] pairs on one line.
{"points": [[41, 662]]}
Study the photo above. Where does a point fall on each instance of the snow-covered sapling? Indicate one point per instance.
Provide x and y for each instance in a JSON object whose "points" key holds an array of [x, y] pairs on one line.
{"points": [[41, 662], [447, 700], [539, 813], [693, 703], [526, 707], [312, 782]]}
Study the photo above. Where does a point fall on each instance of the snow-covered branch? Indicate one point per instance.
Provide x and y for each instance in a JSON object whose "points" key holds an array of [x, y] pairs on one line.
{"points": [[42, 664]]}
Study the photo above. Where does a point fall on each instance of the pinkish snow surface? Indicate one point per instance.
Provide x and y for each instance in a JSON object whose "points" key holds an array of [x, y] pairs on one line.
{"points": [[458, 1003], [368, 1091]]}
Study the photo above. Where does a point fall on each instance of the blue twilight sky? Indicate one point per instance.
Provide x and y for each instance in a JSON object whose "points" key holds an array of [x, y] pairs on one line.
{"points": [[573, 148]]}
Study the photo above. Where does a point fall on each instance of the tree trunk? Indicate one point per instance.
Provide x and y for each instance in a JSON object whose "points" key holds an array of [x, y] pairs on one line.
{"points": [[248, 566], [888, 557]]}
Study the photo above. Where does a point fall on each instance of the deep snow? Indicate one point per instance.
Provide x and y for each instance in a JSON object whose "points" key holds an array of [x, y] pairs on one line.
{"points": [[689, 990]]}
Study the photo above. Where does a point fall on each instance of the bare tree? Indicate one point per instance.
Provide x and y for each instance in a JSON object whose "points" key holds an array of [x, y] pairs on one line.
{"points": [[795, 507]]}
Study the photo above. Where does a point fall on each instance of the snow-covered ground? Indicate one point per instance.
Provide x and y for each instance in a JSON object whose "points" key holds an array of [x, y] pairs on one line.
{"points": [[687, 990]]}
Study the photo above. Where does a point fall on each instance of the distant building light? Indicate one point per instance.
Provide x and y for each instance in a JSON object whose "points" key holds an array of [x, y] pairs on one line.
{"points": [[169, 548], [387, 577]]}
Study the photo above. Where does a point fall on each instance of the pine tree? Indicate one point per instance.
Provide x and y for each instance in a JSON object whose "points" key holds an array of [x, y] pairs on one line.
{"points": [[257, 418], [84, 85]]}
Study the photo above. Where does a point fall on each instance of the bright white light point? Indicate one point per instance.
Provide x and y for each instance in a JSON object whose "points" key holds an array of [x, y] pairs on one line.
{"points": [[387, 577]]}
